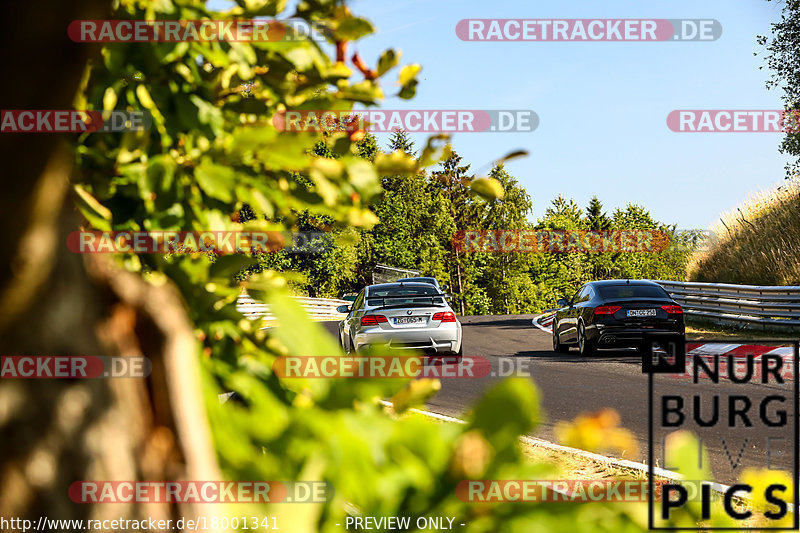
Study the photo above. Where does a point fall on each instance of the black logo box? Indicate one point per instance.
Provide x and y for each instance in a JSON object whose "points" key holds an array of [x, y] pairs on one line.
{"points": [[671, 359]]}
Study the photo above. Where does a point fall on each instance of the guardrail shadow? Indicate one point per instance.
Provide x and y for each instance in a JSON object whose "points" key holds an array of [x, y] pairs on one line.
{"points": [[502, 321], [625, 356]]}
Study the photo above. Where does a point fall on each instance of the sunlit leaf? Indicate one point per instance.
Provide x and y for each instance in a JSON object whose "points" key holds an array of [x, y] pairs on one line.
{"points": [[98, 215], [487, 188]]}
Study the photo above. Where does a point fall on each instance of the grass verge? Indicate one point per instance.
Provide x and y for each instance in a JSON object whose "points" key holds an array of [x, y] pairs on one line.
{"points": [[758, 243]]}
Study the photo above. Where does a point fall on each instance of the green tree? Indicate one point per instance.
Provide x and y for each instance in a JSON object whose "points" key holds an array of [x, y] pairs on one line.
{"points": [[400, 140], [597, 220], [557, 274], [367, 147], [208, 155], [783, 57], [451, 181], [595, 216], [506, 275]]}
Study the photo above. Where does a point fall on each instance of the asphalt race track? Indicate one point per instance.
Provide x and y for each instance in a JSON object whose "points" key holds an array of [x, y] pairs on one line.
{"points": [[571, 384]]}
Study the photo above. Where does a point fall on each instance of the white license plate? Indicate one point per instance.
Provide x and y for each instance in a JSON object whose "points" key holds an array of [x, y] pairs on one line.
{"points": [[409, 320], [642, 312]]}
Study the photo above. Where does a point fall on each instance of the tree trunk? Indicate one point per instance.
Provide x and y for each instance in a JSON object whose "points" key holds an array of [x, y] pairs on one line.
{"points": [[460, 286], [53, 302]]}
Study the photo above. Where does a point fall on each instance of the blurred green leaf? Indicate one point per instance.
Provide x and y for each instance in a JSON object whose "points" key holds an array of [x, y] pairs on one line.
{"points": [[96, 213], [397, 162], [388, 60], [487, 188], [228, 265], [217, 181], [506, 411], [408, 73], [353, 28], [415, 393]]}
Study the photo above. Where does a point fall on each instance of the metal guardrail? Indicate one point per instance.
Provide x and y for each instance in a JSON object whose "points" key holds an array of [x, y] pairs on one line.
{"points": [[747, 305], [739, 304], [319, 309]]}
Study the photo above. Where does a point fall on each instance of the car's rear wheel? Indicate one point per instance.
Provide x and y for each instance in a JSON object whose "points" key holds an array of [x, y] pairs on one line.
{"points": [[585, 346], [557, 346], [343, 345]]}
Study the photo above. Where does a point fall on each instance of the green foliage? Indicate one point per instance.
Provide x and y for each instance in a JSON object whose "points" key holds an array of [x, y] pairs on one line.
{"points": [[419, 214], [211, 162], [367, 147], [595, 216], [783, 57], [560, 274], [400, 141]]}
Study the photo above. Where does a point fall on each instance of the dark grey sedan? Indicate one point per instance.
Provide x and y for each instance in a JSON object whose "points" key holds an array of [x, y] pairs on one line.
{"points": [[613, 314]]}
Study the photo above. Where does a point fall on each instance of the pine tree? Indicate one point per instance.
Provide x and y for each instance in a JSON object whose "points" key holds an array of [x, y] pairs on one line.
{"points": [[451, 181], [598, 220], [367, 147], [400, 141]]}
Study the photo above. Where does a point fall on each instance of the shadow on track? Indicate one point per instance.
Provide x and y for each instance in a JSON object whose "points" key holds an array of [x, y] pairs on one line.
{"points": [[602, 356], [515, 322]]}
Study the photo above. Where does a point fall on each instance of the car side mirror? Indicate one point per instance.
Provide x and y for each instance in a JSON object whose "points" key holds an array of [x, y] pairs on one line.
{"points": [[343, 309], [562, 303]]}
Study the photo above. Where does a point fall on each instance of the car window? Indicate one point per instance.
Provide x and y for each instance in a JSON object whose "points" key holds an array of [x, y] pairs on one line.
{"points": [[358, 301], [575, 297], [394, 295], [585, 294], [611, 292], [397, 290]]}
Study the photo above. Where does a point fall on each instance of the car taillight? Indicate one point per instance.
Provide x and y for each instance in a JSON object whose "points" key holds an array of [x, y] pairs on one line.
{"points": [[606, 309], [673, 309], [372, 320], [445, 316]]}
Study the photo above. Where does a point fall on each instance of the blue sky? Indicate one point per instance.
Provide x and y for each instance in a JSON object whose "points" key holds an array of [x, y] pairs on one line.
{"points": [[602, 105]]}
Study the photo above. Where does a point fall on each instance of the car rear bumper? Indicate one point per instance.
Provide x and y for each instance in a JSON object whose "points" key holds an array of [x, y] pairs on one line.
{"points": [[628, 336], [430, 340]]}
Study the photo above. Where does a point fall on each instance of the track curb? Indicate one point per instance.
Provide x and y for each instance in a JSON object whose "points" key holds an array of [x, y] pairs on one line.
{"points": [[596, 457]]}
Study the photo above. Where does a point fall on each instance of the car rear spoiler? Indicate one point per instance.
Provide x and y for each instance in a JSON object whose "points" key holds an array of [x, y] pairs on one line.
{"points": [[383, 299]]}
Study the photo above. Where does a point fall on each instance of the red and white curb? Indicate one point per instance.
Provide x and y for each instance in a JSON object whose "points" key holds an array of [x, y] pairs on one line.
{"points": [[717, 348], [737, 354], [544, 322]]}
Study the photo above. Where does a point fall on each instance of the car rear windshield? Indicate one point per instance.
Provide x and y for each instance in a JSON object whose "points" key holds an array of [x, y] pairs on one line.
{"points": [[614, 292], [405, 295]]}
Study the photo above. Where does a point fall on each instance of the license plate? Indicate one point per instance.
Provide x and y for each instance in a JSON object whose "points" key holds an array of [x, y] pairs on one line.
{"points": [[409, 319], [641, 312]]}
